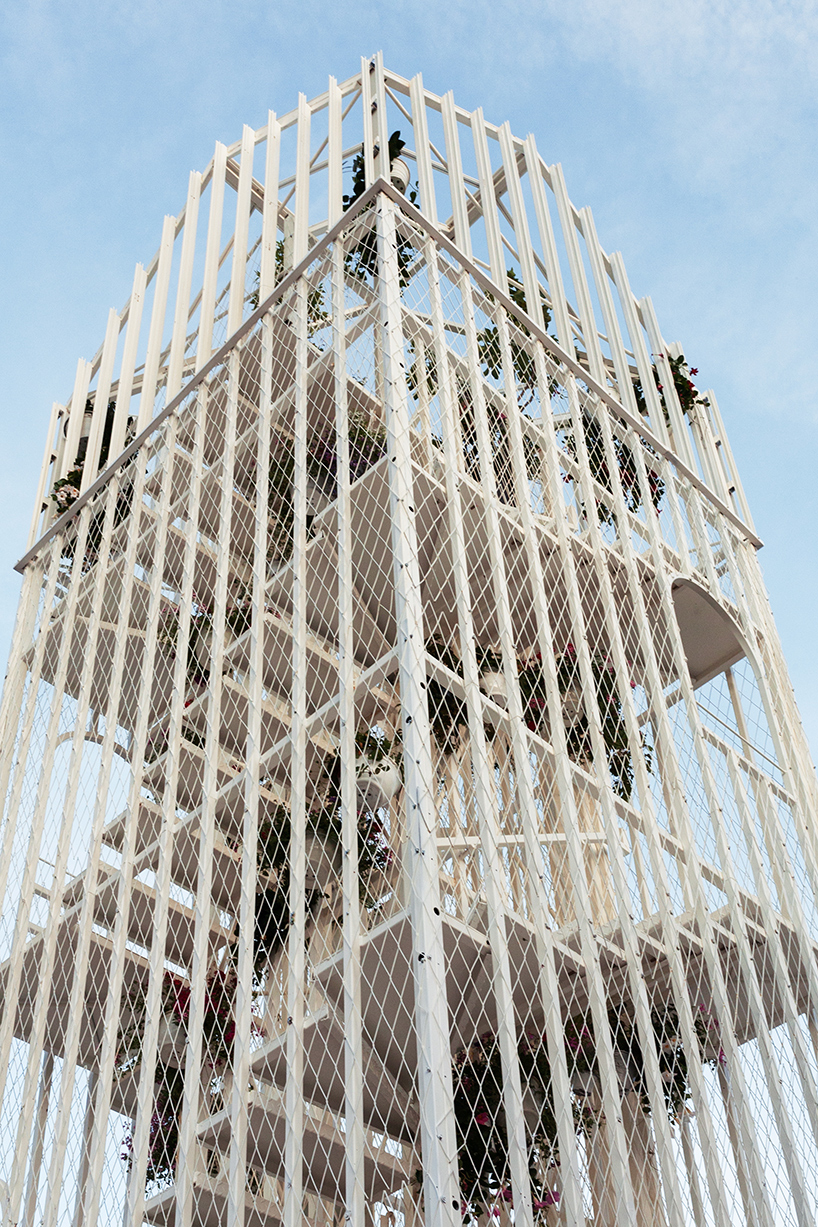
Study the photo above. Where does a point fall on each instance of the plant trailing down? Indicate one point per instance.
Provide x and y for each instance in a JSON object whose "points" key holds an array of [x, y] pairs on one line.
{"points": [[686, 390], [218, 1033], [480, 1121], [614, 730], [500, 444], [361, 260], [490, 353], [239, 612], [324, 824], [447, 714], [317, 314], [367, 445], [325, 821], [627, 471], [198, 646]]}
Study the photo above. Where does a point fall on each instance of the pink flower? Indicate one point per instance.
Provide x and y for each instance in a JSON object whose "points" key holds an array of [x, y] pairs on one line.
{"points": [[482, 1118]]}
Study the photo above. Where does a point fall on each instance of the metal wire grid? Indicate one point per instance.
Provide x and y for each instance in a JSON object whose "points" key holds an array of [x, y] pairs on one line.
{"points": [[371, 852]]}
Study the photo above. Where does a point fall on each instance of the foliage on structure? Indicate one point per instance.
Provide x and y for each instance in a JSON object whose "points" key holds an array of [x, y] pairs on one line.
{"points": [[479, 1103], [689, 396]]}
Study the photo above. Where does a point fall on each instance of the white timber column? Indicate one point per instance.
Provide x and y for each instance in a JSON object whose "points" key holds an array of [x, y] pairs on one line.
{"points": [[354, 1139], [294, 1107], [204, 874], [36, 1161], [438, 1145]]}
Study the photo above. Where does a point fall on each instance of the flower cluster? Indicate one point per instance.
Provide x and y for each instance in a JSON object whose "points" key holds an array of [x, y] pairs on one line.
{"points": [[687, 392], [66, 491]]}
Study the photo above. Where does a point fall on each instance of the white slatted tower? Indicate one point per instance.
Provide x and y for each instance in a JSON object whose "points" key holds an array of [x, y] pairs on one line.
{"points": [[407, 815]]}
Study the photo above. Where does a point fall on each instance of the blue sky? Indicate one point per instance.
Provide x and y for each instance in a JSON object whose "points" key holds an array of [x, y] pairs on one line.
{"points": [[689, 128]]}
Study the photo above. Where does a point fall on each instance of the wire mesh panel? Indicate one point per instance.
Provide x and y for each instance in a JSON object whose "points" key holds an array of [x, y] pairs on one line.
{"points": [[406, 816]]}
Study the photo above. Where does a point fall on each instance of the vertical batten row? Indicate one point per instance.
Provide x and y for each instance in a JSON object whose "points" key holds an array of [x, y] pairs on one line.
{"points": [[356, 526]]}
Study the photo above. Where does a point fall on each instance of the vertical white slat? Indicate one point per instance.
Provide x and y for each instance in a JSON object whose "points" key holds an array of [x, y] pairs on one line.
{"points": [[521, 230], [335, 150], [76, 411], [10, 705], [235, 309], [368, 117], [202, 951], [184, 1209], [161, 283], [31, 627], [269, 222], [36, 1161], [128, 364], [680, 434], [296, 988], [584, 305], [237, 1172], [636, 336], [454, 163], [85, 1150], [45, 469], [178, 343], [488, 201], [435, 1094], [556, 288], [423, 152], [729, 462], [210, 280], [106, 370], [354, 1119], [716, 457], [380, 152], [127, 870], [145, 1107], [301, 204]]}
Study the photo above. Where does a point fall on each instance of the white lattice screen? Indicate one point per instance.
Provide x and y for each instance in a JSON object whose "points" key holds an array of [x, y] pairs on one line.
{"points": [[407, 816]]}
